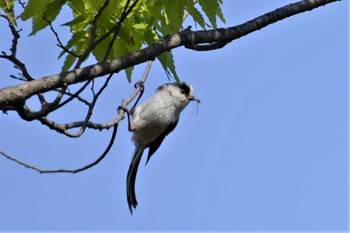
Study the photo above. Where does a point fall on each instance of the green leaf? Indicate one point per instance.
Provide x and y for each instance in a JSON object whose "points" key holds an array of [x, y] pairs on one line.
{"points": [[100, 51], [173, 13], [70, 59], [154, 8], [168, 63], [50, 14], [78, 20], [53, 9], [220, 15], [128, 72], [92, 5], [119, 48], [151, 36], [149, 21], [212, 9], [196, 14], [126, 32], [110, 15], [79, 48], [33, 8], [77, 7], [140, 26], [77, 37]]}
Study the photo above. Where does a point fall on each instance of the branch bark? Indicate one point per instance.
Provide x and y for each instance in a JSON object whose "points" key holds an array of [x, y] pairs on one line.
{"points": [[16, 95]]}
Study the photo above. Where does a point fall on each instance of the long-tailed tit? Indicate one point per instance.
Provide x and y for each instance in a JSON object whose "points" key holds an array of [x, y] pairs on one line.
{"points": [[151, 122]]}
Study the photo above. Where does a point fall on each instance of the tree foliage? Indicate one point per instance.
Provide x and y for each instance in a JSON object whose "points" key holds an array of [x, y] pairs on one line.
{"points": [[109, 29], [119, 34]]}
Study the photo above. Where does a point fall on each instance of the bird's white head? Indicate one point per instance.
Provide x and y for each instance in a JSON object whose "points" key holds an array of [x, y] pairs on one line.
{"points": [[181, 93]]}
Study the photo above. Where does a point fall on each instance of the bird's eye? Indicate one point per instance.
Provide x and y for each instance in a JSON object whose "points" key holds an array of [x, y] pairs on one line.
{"points": [[182, 91]]}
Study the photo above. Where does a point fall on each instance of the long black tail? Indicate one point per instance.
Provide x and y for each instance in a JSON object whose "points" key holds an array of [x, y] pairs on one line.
{"points": [[130, 179]]}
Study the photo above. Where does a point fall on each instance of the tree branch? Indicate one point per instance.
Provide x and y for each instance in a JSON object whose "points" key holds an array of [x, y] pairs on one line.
{"points": [[18, 94], [114, 124], [111, 141], [59, 42]]}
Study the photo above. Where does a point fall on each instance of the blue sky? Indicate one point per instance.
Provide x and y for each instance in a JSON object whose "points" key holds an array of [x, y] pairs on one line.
{"points": [[267, 151]]}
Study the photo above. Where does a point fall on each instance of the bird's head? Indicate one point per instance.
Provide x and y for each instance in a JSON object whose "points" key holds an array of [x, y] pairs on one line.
{"points": [[182, 93]]}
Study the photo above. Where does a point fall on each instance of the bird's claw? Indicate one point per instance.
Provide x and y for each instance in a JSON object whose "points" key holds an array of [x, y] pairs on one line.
{"points": [[122, 108], [139, 84]]}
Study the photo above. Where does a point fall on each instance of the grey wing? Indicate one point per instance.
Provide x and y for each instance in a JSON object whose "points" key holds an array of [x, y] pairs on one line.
{"points": [[153, 147]]}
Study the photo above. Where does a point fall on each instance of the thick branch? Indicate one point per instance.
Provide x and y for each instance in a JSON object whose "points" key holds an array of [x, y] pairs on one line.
{"points": [[18, 94]]}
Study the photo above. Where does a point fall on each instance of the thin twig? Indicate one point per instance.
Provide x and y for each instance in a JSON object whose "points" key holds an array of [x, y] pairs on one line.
{"points": [[72, 96], [91, 106], [13, 57], [111, 141], [84, 101], [59, 42]]}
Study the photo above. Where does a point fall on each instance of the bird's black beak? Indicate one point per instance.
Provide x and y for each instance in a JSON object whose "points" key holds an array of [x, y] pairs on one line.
{"points": [[192, 98]]}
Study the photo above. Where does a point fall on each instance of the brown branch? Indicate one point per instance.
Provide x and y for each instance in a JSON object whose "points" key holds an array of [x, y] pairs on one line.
{"points": [[22, 4], [73, 96], [77, 97], [111, 141], [13, 56], [12, 97], [55, 105], [19, 93], [91, 108], [28, 114], [49, 107], [63, 128], [114, 124], [59, 42]]}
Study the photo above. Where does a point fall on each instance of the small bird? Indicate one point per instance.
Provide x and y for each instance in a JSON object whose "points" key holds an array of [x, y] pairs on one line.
{"points": [[151, 122]]}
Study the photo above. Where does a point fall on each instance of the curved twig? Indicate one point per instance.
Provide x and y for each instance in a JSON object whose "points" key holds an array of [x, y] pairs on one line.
{"points": [[111, 141]]}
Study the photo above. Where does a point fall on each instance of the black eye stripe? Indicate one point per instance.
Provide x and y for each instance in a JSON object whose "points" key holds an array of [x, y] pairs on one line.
{"points": [[184, 88]]}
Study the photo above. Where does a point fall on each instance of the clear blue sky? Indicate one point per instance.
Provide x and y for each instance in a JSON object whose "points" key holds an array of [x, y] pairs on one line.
{"points": [[267, 151]]}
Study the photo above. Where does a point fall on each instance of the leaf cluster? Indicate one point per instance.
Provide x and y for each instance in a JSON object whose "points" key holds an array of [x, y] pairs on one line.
{"points": [[109, 29]]}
